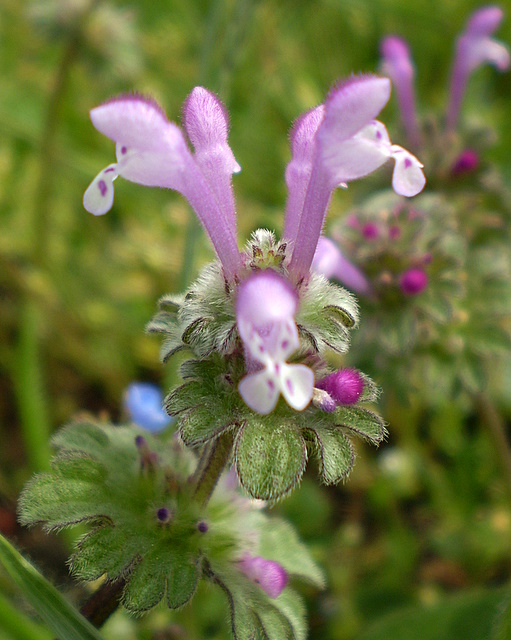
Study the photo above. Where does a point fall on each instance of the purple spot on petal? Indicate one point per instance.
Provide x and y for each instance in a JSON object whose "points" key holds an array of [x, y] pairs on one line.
{"points": [[109, 170], [289, 386], [124, 150], [285, 344], [271, 384], [378, 135], [408, 163], [261, 348], [102, 187], [277, 368]]}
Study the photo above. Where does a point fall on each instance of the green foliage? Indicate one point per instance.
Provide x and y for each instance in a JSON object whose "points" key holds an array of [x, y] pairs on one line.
{"points": [[53, 608], [472, 616], [108, 477]]}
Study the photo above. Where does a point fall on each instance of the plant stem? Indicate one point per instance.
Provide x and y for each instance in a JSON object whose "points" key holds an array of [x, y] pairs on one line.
{"points": [[103, 602], [211, 465], [492, 420]]}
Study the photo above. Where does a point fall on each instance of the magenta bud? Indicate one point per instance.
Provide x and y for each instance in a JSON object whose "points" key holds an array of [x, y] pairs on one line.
{"points": [[163, 515], [370, 231], [345, 386], [269, 575], [413, 282], [466, 162], [202, 526]]}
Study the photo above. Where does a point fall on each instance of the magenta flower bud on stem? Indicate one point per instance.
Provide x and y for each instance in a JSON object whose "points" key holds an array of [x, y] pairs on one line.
{"points": [[398, 65], [466, 162], [345, 386], [474, 47], [269, 575], [413, 282]]}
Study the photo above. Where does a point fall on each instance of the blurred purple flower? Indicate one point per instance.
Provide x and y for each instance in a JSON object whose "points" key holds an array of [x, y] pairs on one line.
{"points": [[331, 262], [144, 403], [398, 65], [474, 47]]}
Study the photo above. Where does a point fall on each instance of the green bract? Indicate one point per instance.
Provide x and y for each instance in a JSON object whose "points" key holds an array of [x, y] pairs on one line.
{"points": [[100, 475], [270, 451]]}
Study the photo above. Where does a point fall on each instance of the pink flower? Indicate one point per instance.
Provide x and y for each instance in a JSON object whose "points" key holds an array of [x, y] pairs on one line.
{"points": [[398, 65], [331, 262], [153, 152], [344, 386], [265, 311], [474, 47], [413, 282], [268, 574], [333, 145]]}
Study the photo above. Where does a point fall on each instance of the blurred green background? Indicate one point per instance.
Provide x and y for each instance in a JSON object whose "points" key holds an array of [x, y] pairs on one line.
{"points": [[424, 520]]}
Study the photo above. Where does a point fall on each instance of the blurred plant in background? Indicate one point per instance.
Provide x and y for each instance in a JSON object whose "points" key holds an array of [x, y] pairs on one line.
{"points": [[425, 523]]}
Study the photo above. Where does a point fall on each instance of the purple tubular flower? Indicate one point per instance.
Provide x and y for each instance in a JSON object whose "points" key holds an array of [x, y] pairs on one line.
{"points": [[298, 171], [144, 404], [344, 386], [265, 310], [398, 65], [413, 282], [474, 47], [331, 262], [268, 574], [153, 152], [206, 123], [348, 145]]}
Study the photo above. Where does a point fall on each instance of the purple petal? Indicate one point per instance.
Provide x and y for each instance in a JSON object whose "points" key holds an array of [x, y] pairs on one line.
{"points": [[135, 121], [266, 297], [99, 196], [269, 575], [397, 64], [207, 125], [474, 47], [408, 178], [298, 171], [351, 106], [331, 262], [484, 21]]}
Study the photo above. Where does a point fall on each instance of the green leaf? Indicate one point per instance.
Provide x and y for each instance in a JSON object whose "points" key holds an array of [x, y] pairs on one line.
{"points": [[201, 424], [270, 459], [279, 541], [364, 423], [471, 616], [291, 606], [336, 457], [17, 626], [59, 615]]}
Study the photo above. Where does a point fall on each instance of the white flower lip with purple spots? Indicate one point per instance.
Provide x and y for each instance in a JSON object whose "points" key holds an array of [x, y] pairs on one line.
{"points": [[265, 312]]}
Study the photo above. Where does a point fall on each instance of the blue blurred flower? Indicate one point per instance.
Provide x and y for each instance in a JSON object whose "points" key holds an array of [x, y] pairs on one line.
{"points": [[144, 403]]}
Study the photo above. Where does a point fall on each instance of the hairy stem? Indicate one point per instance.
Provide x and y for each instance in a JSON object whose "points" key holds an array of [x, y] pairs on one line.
{"points": [[211, 465], [103, 602]]}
